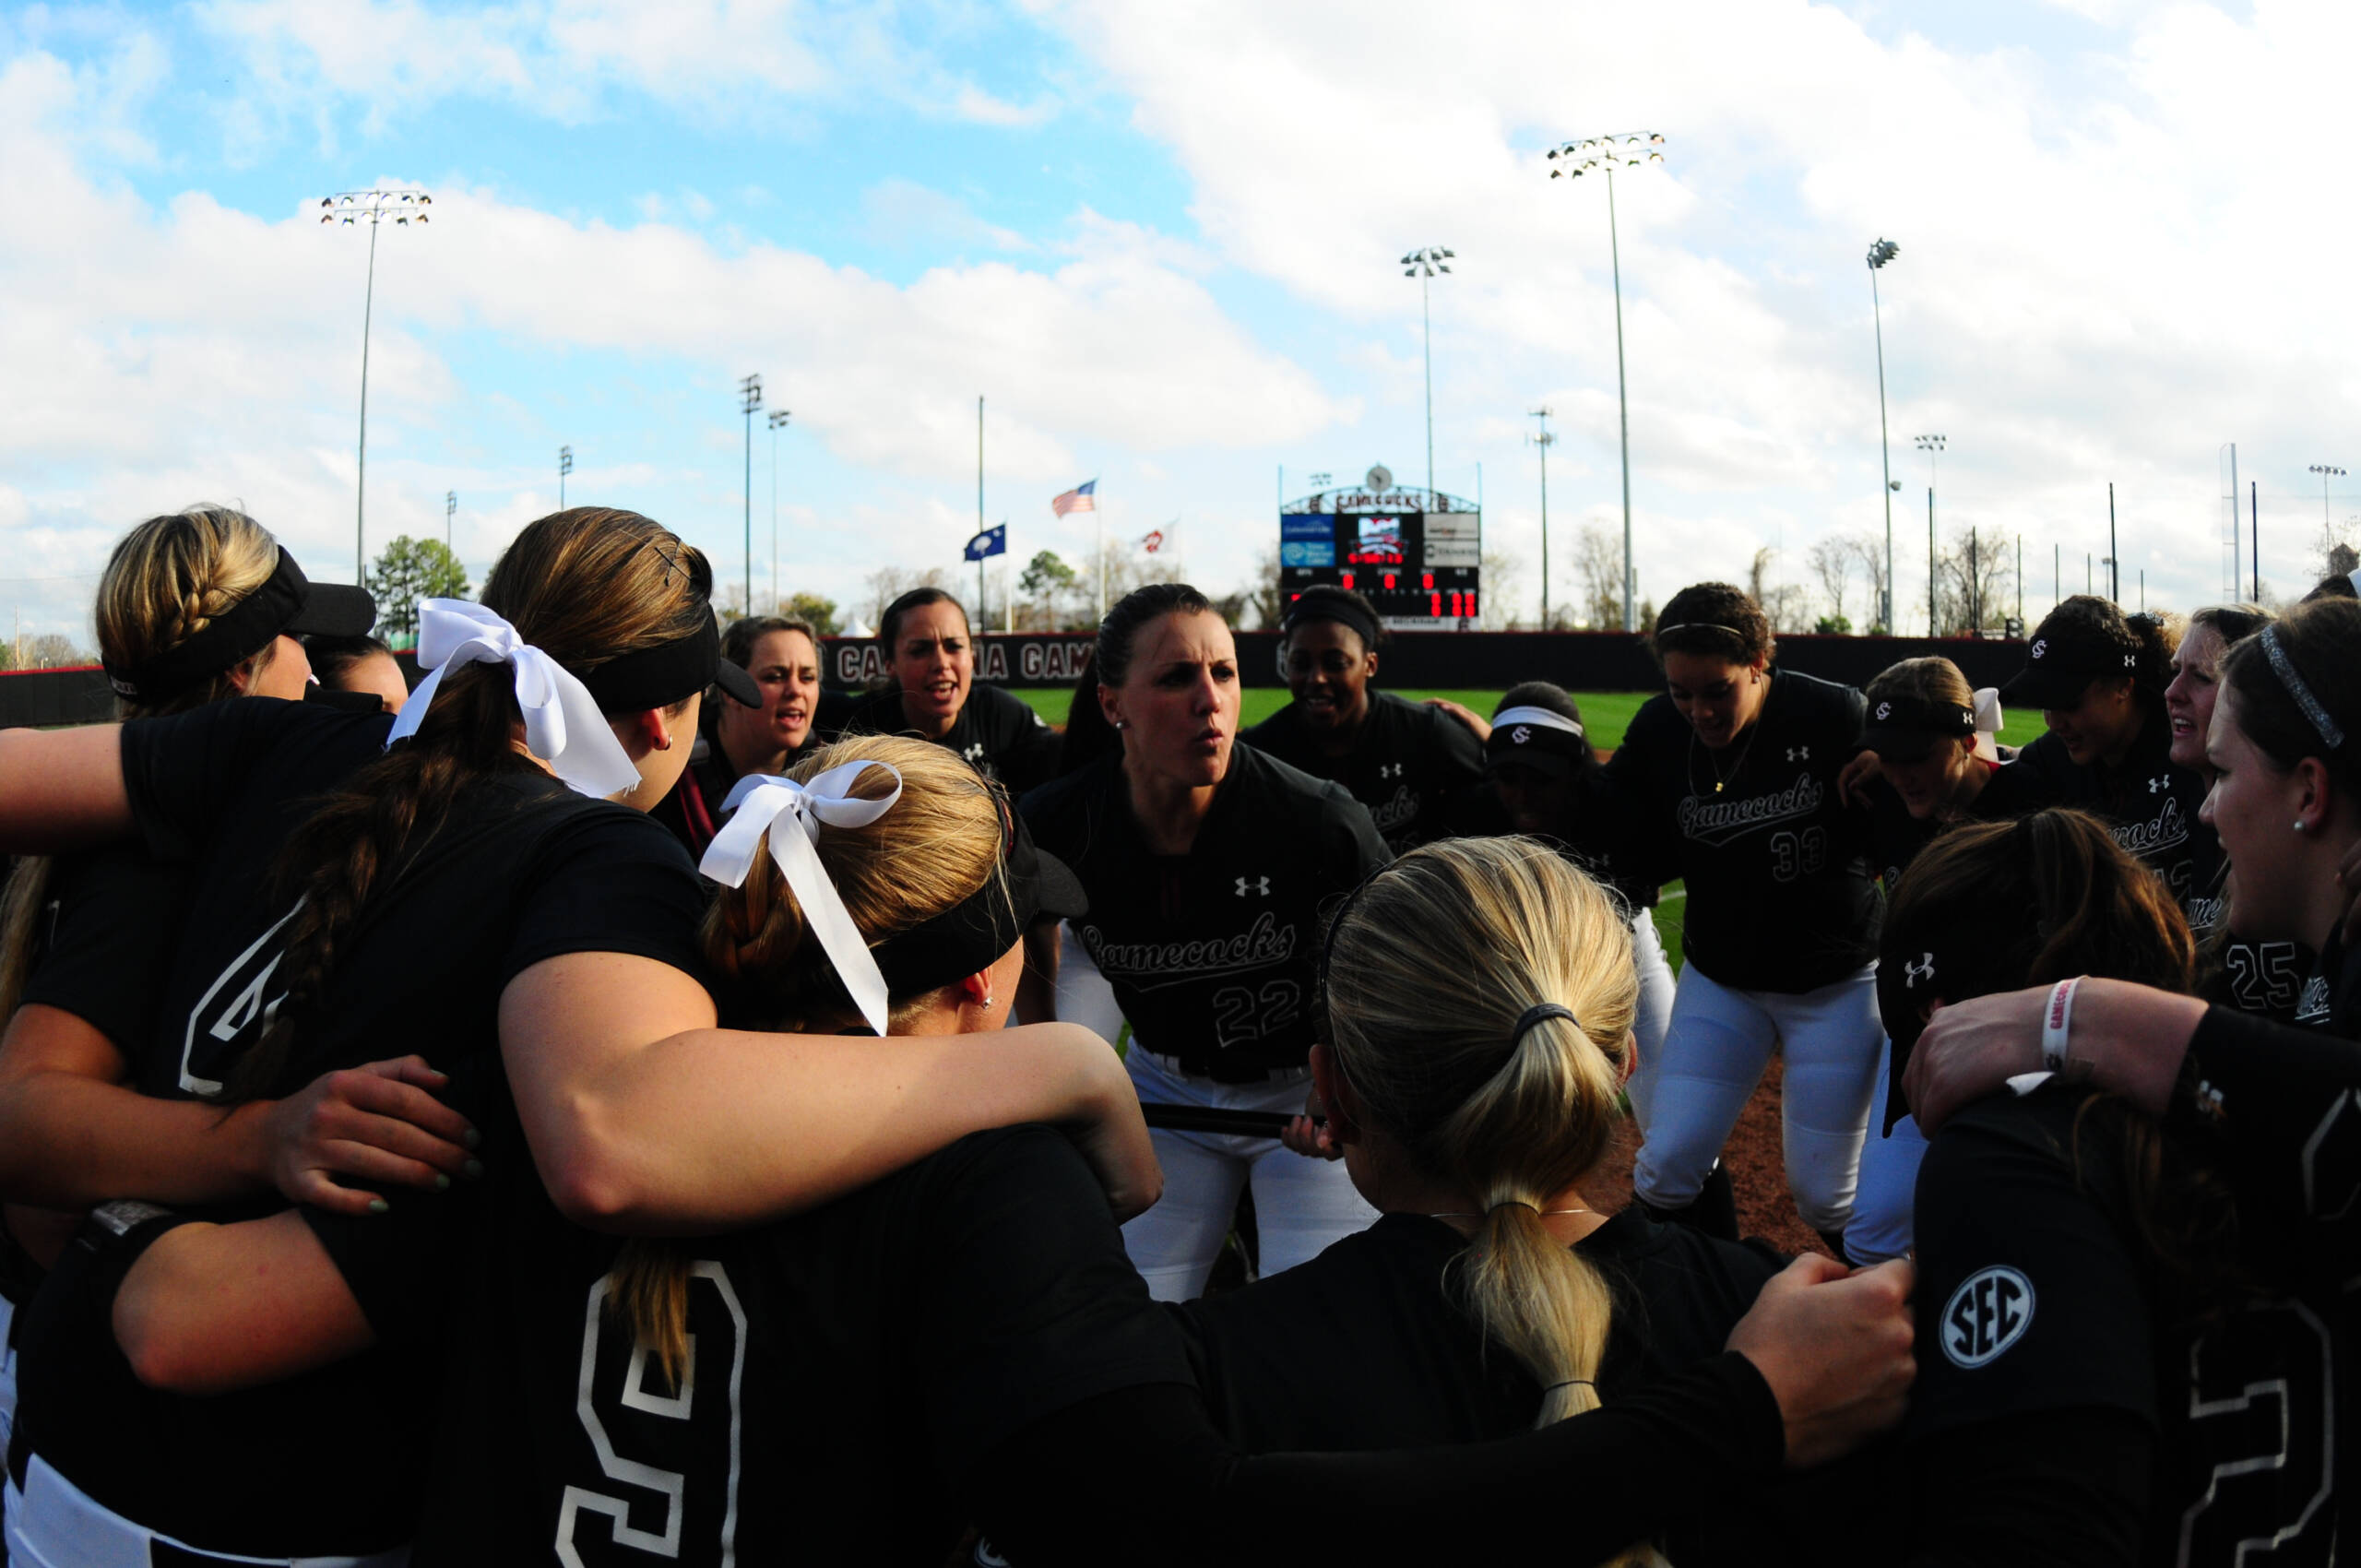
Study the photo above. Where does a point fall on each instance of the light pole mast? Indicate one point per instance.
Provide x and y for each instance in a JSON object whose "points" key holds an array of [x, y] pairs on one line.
{"points": [[1423, 265], [450, 510], [346, 208], [1881, 252], [778, 418], [1543, 439], [1932, 446], [1603, 153], [750, 392], [564, 467]]}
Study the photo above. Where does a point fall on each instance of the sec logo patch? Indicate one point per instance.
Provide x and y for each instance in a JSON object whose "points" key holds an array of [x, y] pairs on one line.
{"points": [[1987, 1313]]}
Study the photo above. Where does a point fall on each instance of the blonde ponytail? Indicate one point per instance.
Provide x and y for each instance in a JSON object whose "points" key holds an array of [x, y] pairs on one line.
{"points": [[1430, 977]]}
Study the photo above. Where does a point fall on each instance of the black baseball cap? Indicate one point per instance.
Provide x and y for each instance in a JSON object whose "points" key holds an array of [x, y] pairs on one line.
{"points": [[1904, 729], [2062, 663], [287, 604]]}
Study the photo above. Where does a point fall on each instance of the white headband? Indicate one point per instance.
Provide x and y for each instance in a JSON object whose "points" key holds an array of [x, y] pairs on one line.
{"points": [[1539, 717], [563, 724], [759, 800]]}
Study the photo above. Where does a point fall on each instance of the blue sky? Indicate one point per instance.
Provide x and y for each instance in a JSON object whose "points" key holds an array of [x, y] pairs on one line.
{"points": [[1159, 241]]}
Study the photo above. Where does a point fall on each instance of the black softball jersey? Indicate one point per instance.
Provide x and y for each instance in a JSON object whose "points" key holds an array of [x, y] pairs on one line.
{"points": [[522, 870], [1412, 766], [1214, 955], [2076, 1400], [1782, 893], [999, 734]]}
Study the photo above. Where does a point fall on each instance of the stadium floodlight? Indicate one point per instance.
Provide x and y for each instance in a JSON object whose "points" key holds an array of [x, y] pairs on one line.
{"points": [[1423, 265], [1601, 155], [2328, 529], [343, 210], [1881, 252], [564, 467]]}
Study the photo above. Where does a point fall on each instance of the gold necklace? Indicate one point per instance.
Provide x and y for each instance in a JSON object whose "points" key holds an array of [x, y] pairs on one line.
{"points": [[1723, 780]]}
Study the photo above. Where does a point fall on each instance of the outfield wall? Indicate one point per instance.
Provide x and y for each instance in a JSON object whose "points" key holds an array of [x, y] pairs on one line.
{"points": [[1478, 661]]}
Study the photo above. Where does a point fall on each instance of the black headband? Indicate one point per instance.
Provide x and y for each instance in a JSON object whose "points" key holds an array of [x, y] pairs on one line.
{"points": [[238, 633], [1331, 607], [1976, 948]]}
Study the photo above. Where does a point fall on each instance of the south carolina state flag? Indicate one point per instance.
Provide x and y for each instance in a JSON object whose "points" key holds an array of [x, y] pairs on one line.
{"points": [[991, 542]]}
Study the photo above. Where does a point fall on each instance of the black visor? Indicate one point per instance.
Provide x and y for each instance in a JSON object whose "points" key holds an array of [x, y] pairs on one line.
{"points": [[287, 604], [1906, 729], [972, 934], [662, 675]]}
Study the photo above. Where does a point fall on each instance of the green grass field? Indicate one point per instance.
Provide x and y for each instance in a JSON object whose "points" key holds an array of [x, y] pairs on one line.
{"points": [[1605, 714]]}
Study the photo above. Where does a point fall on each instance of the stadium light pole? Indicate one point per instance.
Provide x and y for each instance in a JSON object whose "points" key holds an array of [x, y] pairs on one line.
{"points": [[564, 467], [750, 391], [345, 210], [1423, 265], [1932, 446], [1881, 252], [2328, 528], [1603, 153], [778, 418], [1543, 440], [450, 510]]}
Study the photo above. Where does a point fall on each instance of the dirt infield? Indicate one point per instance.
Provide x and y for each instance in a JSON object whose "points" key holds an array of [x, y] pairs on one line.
{"points": [[1764, 1207]]}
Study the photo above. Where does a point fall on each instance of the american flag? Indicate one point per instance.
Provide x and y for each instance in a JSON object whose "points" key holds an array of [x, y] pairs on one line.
{"points": [[1081, 498]]}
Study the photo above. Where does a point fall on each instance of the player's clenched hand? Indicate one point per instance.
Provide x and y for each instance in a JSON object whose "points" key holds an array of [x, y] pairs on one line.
{"points": [[1835, 1349], [379, 1124], [1311, 1134], [1862, 770]]}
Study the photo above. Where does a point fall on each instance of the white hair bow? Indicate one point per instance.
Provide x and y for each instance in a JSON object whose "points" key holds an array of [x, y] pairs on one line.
{"points": [[1988, 719], [759, 801], [563, 724]]}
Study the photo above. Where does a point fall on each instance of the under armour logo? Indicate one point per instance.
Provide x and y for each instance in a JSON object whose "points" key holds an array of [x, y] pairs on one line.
{"points": [[2131, 661], [1885, 711], [1924, 969], [1261, 885], [2158, 786], [1389, 770], [1799, 753], [974, 753], [1520, 735], [2040, 647]]}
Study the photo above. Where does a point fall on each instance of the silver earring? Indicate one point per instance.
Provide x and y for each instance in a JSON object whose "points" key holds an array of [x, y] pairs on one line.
{"points": [[2299, 824], [1123, 724]]}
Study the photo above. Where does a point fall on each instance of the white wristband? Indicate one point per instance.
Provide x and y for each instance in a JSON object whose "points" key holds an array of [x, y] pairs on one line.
{"points": [[2056, 1018]]}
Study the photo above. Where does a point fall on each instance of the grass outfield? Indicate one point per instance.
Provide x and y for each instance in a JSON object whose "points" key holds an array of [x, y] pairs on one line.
{"points": [[1605, 714]]}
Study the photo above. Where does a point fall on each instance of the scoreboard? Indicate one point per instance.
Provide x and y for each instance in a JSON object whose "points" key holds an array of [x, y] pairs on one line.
{"points": [[1417, 564]]}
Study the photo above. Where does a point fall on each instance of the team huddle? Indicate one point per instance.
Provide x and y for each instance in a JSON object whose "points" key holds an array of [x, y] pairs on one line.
{"points": [[531, 1118]]}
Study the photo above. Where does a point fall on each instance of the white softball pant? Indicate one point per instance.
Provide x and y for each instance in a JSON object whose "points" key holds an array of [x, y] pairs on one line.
{"points": [[1881, 1224], [1715, 1051], [1301, 1204], [1654, 1013], [1084, 995]]}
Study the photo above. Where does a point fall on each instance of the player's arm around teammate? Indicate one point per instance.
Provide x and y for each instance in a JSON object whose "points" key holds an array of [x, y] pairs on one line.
{"points": [[1209, 866]]}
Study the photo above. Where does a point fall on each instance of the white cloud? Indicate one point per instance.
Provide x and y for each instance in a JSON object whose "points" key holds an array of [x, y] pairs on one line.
{"points": [[2105, 282], [193, 351]]}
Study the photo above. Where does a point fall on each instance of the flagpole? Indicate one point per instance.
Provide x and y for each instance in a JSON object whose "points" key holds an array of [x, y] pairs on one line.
{"points": [[1098, 514]]}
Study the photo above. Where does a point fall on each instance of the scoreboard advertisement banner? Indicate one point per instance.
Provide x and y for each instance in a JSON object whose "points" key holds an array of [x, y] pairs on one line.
{"points": [[1417, 568]]}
